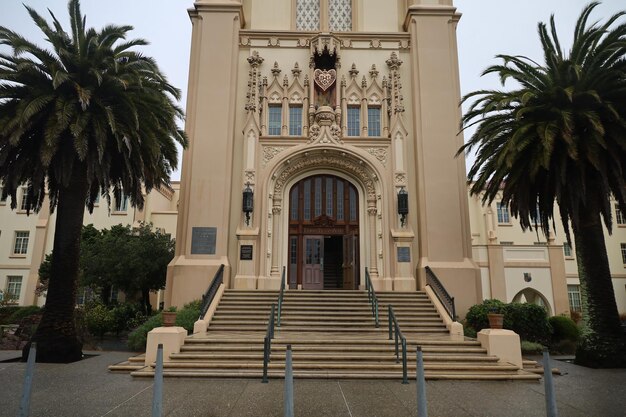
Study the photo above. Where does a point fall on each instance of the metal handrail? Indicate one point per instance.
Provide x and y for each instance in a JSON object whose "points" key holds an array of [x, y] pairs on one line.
{"points": [[394, 330], [371, 296], [280, 296], [209, 295], [267, 343], [440, 291]]}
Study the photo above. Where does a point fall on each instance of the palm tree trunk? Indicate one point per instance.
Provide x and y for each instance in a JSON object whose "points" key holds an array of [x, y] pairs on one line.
{"points": [[56, 336], [603, 344]]}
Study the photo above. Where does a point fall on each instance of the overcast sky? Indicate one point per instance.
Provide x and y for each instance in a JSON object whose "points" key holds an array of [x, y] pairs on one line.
{"points": [[487, 28]]}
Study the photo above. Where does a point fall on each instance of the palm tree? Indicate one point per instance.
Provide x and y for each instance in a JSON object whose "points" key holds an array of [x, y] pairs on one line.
{"points": [[88, 116], [560, 136]]}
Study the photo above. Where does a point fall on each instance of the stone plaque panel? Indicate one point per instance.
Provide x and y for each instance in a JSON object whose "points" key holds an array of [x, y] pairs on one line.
{"points": [[245, 252], [203, 240], [404, 254]]}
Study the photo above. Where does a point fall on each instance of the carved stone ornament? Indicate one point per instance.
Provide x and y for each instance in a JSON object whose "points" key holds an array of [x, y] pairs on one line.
{"points": [[325, 125], [379, 153], [269, 152], [400, 178], [325, 78], [342, 162], [249, 175]]}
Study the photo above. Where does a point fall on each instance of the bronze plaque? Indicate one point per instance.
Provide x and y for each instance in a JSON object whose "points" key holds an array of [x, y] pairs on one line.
{"points": [[245, 253], [203, 240]]}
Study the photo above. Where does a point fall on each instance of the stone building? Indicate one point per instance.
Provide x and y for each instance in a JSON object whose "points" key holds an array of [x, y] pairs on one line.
{"points": [[330, 112]]}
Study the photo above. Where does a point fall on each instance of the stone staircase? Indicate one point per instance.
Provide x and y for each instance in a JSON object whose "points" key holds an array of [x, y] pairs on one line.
{"points": [[333, 335]]}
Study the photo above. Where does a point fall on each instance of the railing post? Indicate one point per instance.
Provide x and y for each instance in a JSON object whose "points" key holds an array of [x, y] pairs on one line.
{"points": [[28, 381], [420, 382], [265, 359], [551, 410], [272, 318], [396, 336], [390, 310], [376, 313], [405, 379], [157, 397], [288, 383]]}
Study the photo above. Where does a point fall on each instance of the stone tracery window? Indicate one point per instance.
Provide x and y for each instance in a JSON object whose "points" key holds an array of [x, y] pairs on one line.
{"points": [[310, 17]]}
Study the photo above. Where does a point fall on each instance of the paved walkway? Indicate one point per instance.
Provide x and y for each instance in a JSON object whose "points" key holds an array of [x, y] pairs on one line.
{"points": [[86, 388]]}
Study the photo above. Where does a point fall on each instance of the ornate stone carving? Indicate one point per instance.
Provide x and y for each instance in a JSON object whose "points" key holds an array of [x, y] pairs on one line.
{"points": [[253, 94], [373, 71], [353, 71], [249, 176], [395, 84], [379, 153], [343, 162], [255, 60], [325, 78], [325, 125], [400, 178], [275, 70], [269, 152], [296, 70], [371, 211]]}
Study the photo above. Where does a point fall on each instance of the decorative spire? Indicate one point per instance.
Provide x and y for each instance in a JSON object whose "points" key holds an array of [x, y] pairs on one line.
{"points": [[364, 82], [255, 59], [296, 70], [343, 80], [394, 62], [306, 80], [373, 71], [353, 71], [275, 70], [285, 81]]}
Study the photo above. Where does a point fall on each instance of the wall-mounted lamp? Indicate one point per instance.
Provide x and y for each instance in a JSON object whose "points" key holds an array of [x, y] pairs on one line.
{"points": [[248, 202], [403, 205]]}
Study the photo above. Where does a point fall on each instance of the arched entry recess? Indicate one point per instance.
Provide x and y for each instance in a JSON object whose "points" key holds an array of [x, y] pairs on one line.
{"points": [[352, 168]]}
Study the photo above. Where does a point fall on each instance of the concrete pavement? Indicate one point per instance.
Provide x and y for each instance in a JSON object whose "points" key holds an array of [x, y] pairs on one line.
{"points": [[86, 388]]}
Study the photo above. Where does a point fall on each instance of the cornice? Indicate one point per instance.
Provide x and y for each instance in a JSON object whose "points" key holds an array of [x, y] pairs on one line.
{"points": [[430, 10], [273, 38]]}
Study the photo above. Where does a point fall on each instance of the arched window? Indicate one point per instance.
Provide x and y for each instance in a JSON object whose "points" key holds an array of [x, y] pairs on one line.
{"points": [[337, 16]]}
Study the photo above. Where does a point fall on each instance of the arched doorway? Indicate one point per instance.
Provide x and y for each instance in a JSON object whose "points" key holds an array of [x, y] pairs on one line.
{"points": [[532, 296], [323, 247]]}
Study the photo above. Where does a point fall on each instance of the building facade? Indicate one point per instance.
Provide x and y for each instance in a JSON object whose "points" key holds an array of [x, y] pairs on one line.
{"points": [[26, 238], [331, 112]]}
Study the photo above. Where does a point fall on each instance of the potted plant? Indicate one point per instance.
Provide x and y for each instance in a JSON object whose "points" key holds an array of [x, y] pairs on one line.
{"points": [[496, 319], [169, 317]]}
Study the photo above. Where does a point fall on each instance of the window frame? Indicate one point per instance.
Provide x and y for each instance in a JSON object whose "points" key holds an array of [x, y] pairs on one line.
{"points": [[324, 17], [295, 124], [502, 213], [567, 251], [14, 295], [623, 252], [22, 239], [574, 297], [377, 123], [353, 110], [278, 108], [620, 219], [121, 204]]}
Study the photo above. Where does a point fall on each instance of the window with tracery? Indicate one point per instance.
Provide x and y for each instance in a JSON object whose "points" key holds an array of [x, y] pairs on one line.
{"points": [[309, 15]]}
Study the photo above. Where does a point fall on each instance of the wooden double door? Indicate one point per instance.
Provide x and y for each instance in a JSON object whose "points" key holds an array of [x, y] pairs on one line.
{"points": [[323, 234]]}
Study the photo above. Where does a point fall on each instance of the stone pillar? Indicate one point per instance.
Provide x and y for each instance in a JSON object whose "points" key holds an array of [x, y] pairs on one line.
{"points": [[441, 212], [276, 210], [371, 216], [207, 196]]}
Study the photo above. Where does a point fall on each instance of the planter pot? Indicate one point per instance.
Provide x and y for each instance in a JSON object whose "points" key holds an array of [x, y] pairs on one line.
{"points": [[495, 320], [169, 318]]}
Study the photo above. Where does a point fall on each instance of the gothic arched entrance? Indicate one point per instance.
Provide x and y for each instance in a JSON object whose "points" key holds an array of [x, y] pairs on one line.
{"points": [[323, 233]]}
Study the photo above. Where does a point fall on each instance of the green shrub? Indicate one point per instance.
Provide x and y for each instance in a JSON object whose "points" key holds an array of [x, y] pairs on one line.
{"points": [[137, 338], [531, 348], [564, 328], [6, 312], [469, 331], [477, 315], [188, 315], [99, 319], [124, 317], [530, 321], [23, 312]]}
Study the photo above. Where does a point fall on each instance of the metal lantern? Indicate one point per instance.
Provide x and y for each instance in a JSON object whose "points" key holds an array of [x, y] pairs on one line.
{"points": [[248, 202], [403, 205]]}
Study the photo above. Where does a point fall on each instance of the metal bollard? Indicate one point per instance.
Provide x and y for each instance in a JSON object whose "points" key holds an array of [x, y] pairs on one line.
{"points": [[288, 383], [551, 410], [157, 398], [420, 382], [28, 381]]}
